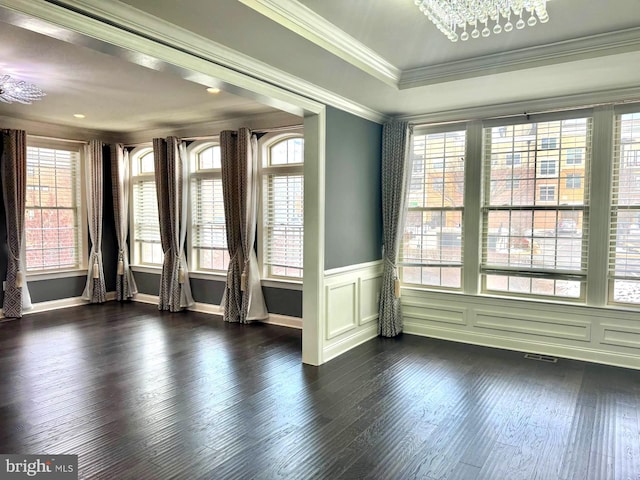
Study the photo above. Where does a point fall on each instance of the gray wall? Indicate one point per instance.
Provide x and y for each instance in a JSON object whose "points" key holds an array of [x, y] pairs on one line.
{"points": [[281, 301], [353, 195], [47, 290]]}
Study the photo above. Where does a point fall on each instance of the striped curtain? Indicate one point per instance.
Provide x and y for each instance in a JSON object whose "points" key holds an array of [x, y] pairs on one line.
{"points": [[172, 192], [243, 300], [396, 169], [95, 290], [14, 189], [125, 283]]}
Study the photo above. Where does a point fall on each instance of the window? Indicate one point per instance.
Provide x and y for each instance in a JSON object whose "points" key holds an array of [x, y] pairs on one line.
{"points": [[146, 246], [547, 193], [431, 250], [548, 143], [574, 156], [533, 244], [547, 168], [54, 219], [573, 181], [624, 256], [208, 229], [514, 159], [283, 207]]}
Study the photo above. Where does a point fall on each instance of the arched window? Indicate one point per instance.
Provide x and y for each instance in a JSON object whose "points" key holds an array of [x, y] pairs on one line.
{"points": [[208, 230], [283, 207], [145, 232]]}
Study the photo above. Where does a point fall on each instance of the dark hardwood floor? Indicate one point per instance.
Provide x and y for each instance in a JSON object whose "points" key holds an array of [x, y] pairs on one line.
{"points": [[139, 394]]}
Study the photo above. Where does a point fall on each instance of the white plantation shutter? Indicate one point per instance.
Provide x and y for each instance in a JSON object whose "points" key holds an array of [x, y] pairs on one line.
{"points": [[624, 244], [146, 226], [535, 220], [52, 220], [208, 230], [284, 227], [283, 209], [431, 248]]}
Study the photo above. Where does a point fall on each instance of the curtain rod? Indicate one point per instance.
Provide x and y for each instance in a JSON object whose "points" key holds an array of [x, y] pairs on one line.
{"points": [[69, 140]]}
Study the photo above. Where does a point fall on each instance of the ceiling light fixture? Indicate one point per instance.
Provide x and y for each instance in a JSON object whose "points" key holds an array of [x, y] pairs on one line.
{"points": [[213, 90], [482, 17], [12, 90], [78, 115]]}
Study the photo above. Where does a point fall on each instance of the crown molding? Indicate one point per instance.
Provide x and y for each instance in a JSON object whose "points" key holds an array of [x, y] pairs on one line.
{"points": [[52, 130], [300, 19], [162, 32], [593, 46], [543, 105]]}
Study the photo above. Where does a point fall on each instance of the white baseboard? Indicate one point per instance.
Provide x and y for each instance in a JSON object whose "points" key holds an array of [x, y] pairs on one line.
{"points": [[274, 319], [144, 298], [527, 346], [284, 321], [60, 303], [358, 337]]}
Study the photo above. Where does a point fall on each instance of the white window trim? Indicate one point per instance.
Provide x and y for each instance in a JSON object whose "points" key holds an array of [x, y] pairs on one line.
{"points": [[264, 144], [597, 283], [446, 128], [193, 150], [83, 254], [135, 177]]}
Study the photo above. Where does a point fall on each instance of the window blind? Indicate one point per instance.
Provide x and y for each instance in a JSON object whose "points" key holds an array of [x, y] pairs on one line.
{"points": [[431, 248], [52, 220], [624, 234], [535, 212], [283, 209], [208, 229], [146, 231]]}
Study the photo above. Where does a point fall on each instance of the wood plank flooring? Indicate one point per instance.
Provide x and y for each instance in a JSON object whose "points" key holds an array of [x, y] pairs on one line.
{"points": [[140, 394]]}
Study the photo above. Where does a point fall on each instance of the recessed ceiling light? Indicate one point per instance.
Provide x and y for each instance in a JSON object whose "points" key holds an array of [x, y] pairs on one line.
{"points": [[78, 115], [213, 90]]}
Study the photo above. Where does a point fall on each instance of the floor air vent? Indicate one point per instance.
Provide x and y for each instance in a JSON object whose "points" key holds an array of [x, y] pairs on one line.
{"points": [[541, 358]]}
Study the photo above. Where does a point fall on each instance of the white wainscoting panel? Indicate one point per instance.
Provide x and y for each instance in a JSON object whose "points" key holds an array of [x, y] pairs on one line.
{"points": [[342, 308], [601, 335], [369, 298], [352, 295]]}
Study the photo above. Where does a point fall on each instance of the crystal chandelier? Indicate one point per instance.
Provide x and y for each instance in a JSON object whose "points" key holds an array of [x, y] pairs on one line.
{"points": [[461, 19], [12, 90]]}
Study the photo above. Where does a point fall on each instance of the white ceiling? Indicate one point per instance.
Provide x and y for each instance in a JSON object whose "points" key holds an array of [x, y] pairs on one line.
{"points": [[381, 55], [114, 94]]}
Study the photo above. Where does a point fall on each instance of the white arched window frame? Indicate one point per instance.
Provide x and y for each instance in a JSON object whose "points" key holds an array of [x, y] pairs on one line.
{"points": [[208, 237], [146, 248], [281, 225]]}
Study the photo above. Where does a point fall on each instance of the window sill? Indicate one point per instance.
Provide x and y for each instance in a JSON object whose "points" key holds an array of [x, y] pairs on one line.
{"points": [[146, 269], [38, 276], [280, 283]]}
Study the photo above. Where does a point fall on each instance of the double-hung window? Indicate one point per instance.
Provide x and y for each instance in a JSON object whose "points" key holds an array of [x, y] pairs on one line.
{"points": [[208, 230], [431, 249], [624, 249], [283, 207], [54, 217], [146, 246], [535, 237]]}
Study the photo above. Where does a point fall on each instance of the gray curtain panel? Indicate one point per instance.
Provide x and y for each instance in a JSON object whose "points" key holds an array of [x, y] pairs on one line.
{"points": [[14, 189], [243, 300], [172, 192], [396, 168], [125, 283], [95, 290]]}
